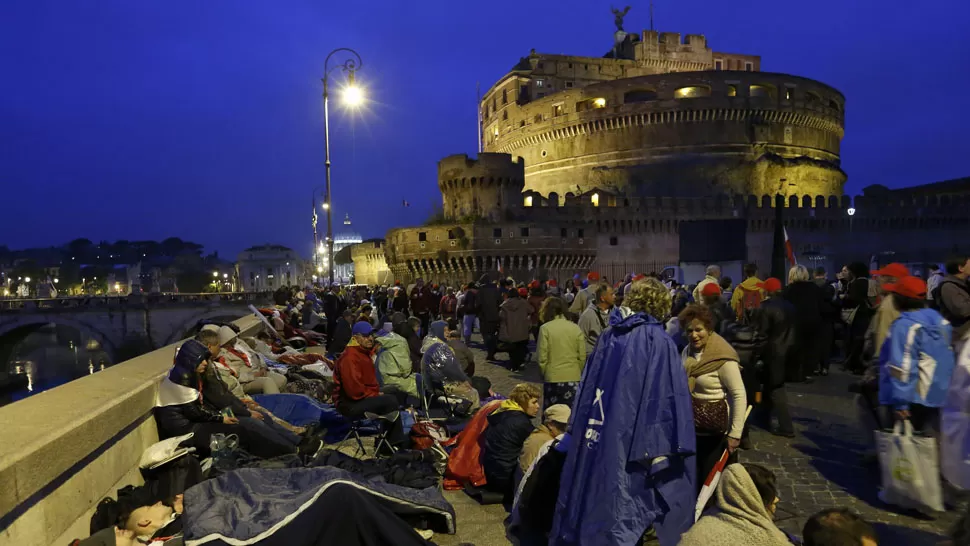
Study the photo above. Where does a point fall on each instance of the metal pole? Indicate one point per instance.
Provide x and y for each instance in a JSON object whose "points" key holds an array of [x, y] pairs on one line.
{"points": [[326, 133], [313, 219]]}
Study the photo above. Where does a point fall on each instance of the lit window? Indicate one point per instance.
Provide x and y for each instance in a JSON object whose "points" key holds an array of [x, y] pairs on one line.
{"points": [[732, 90], [595, 199], [760, 91], [495, 131], [692, 92], [557, 110], [788, 93], [539, 83], [599, 103], [528, 200]]}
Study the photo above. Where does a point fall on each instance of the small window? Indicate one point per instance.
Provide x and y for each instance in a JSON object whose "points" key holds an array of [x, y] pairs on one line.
{"points": [[422, 236], [585, 67], [599, 103], [749, 67], [760, 91], [496, 232], [595, 199], [528, 201], [557, 110], [570, 65], [641, 95], [539, 83], [505, 96], [563, 232], [523, 232], [718, 64], [692, 92], [569, 85], [580, 233], [451, 234], [522, 123], [505, 115], [834, 105], [788, 93], [732, 90], [614, 241]]}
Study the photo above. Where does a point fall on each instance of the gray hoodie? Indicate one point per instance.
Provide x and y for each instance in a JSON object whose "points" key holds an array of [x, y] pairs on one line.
{"points": [[592, 322]]}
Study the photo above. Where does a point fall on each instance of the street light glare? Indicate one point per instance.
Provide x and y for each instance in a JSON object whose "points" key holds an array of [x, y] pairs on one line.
{"points": [[326, 206], [353, 95]]}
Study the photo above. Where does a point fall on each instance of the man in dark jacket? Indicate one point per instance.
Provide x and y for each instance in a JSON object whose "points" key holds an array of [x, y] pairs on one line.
{"points": [[423, 304], [806, 297], [954, 296], [469, 311], [489, 301], [830, 316], [775, 320], [341, 333], [508, 428]]}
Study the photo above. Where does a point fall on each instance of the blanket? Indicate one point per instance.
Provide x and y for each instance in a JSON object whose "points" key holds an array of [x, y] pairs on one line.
{"points": [[271, 507]]}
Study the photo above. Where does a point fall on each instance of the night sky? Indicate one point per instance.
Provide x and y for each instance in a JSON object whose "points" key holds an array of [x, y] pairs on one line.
{"points": [[124, 119]]}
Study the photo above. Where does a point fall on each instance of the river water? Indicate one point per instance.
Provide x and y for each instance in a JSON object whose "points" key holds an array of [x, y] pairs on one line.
{"points": [[51, 356]]}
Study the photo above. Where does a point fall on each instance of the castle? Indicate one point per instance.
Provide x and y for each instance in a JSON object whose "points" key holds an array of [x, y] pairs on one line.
{"points": [[598, 163]]}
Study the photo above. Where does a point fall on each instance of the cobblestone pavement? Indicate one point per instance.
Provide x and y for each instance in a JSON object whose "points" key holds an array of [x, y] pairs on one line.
{"points": [[820, 468]]}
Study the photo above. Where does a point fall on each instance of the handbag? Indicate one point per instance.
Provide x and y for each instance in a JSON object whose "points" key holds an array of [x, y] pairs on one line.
{"points": [[910, 469], [710, 417]]}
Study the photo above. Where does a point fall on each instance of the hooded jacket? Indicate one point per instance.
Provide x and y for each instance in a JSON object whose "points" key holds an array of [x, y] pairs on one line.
{"points": [[751, 283], [631, 464], [354, 377], [394, 363], [515, 324], [508, 428], [178, 403], [916, 363], [592, 322], [739, 516]]}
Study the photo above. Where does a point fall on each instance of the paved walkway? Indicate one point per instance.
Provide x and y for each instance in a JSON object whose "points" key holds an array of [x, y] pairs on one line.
{"points": [[818, 469]]}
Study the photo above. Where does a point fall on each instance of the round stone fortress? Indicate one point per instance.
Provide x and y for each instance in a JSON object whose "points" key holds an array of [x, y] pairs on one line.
{"points": [[664, 117]]}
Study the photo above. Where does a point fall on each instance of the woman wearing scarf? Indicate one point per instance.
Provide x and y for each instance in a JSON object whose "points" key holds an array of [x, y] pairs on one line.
{"points": [[716, 387], [744, 504], [179, 408]]}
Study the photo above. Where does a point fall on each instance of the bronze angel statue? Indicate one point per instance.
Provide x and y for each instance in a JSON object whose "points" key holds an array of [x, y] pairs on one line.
{"points": [[618, 16]]}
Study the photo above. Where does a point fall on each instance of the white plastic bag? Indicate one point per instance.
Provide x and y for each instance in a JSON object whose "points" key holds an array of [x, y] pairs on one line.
{"points": [[910, 469]]}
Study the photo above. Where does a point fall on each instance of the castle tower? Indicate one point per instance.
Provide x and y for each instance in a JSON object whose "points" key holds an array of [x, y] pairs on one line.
{"points": [[482, 187]]}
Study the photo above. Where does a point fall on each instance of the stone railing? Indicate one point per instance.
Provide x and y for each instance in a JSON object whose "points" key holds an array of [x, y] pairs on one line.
{"points": [[63, 450], [73, 302]]}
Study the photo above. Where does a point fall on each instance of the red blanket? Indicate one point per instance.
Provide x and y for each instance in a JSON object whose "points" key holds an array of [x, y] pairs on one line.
{"points": [[464, 466]]}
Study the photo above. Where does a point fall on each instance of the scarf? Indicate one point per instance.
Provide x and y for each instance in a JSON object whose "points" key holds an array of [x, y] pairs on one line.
{"points": [[715, 354]]}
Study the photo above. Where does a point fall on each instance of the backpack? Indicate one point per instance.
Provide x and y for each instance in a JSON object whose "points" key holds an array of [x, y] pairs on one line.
{"points": [[750, 300], [424, 433]]}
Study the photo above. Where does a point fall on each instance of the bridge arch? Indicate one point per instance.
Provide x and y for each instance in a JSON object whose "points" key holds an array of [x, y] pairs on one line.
{"points": [[30, 322]]}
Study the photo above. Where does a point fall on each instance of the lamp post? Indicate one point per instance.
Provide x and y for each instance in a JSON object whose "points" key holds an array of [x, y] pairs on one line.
{"points": [[351, 65]]}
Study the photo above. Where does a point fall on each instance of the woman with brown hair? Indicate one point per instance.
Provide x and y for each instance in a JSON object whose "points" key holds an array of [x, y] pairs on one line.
{"points": [[716, 387], [561, 349]]}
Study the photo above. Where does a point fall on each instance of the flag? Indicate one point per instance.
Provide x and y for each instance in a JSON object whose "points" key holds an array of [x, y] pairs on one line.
{"points": [[406, 204], [710, 484], [789, 250], [498, 264], [778, 269], [530, 263]]}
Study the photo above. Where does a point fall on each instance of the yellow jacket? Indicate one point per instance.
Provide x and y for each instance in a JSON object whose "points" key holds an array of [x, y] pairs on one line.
{"points": [[751, 283]]}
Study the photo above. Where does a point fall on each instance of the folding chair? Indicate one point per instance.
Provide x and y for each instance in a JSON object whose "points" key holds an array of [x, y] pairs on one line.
{"points": [[387, 421]]}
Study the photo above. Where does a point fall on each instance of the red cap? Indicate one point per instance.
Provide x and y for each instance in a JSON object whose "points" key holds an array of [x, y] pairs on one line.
{"points": [[551, 282], [896, 270], [639, 277], [711, 289], [397, 283], [771, 284], [911, 287], [523, 292], [534, 284], [593, 276]]}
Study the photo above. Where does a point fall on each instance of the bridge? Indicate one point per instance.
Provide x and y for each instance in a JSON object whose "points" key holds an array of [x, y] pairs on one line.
{"points": [[121, 326]]}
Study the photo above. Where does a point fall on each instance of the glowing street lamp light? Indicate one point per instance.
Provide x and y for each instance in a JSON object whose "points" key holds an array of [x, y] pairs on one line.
{"points": [[851, 212], [26, 279], [353, 96], [215, 273]]}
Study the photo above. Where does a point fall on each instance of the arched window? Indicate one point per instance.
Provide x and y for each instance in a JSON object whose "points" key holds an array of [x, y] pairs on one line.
{"points": [[761, 90], [639, 95], [692, 92]]}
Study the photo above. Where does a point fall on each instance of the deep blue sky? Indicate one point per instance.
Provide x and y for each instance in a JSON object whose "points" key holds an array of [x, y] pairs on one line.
{"points": [[203, 119]]}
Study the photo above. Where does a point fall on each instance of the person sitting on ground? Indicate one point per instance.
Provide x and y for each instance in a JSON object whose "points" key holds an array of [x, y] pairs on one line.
{"points": [[555, 418], [254, 376], [745, 502], [179, 410], [462, 352], [838, 526], [508, 428], [341, 333], [356, 390]]}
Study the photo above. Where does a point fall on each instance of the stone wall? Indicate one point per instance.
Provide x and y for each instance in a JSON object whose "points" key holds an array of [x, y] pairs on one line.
{"points": [[64, 450], [370, 265], [480, 188]]}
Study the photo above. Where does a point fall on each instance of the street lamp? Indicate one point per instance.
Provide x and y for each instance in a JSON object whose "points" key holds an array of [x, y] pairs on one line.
{"points": [[215, 273], [354, 96]]}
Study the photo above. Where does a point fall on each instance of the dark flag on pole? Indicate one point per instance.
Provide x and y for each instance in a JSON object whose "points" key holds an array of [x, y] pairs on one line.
{"points": [[779, 251], [406, 204]]}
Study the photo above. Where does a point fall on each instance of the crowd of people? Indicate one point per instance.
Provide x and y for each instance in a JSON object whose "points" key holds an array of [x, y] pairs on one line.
{"points": [[646, 392]]}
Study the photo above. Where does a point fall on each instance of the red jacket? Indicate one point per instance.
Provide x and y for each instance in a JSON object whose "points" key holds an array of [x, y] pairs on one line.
{"points": [[464, 461], [353, 376]]}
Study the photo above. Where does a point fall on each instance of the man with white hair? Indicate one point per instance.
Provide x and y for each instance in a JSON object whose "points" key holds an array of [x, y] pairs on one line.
{"points": [[713, 275]]}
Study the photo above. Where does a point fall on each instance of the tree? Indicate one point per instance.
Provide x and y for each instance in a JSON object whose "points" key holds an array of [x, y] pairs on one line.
{"points": [[343, 257]]}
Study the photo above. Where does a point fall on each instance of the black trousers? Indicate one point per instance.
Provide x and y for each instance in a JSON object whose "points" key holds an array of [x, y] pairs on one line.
{"points": [[776, 400], [517, 352], [385, 403], [826, 338], [489, 330], [251, 440]]}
